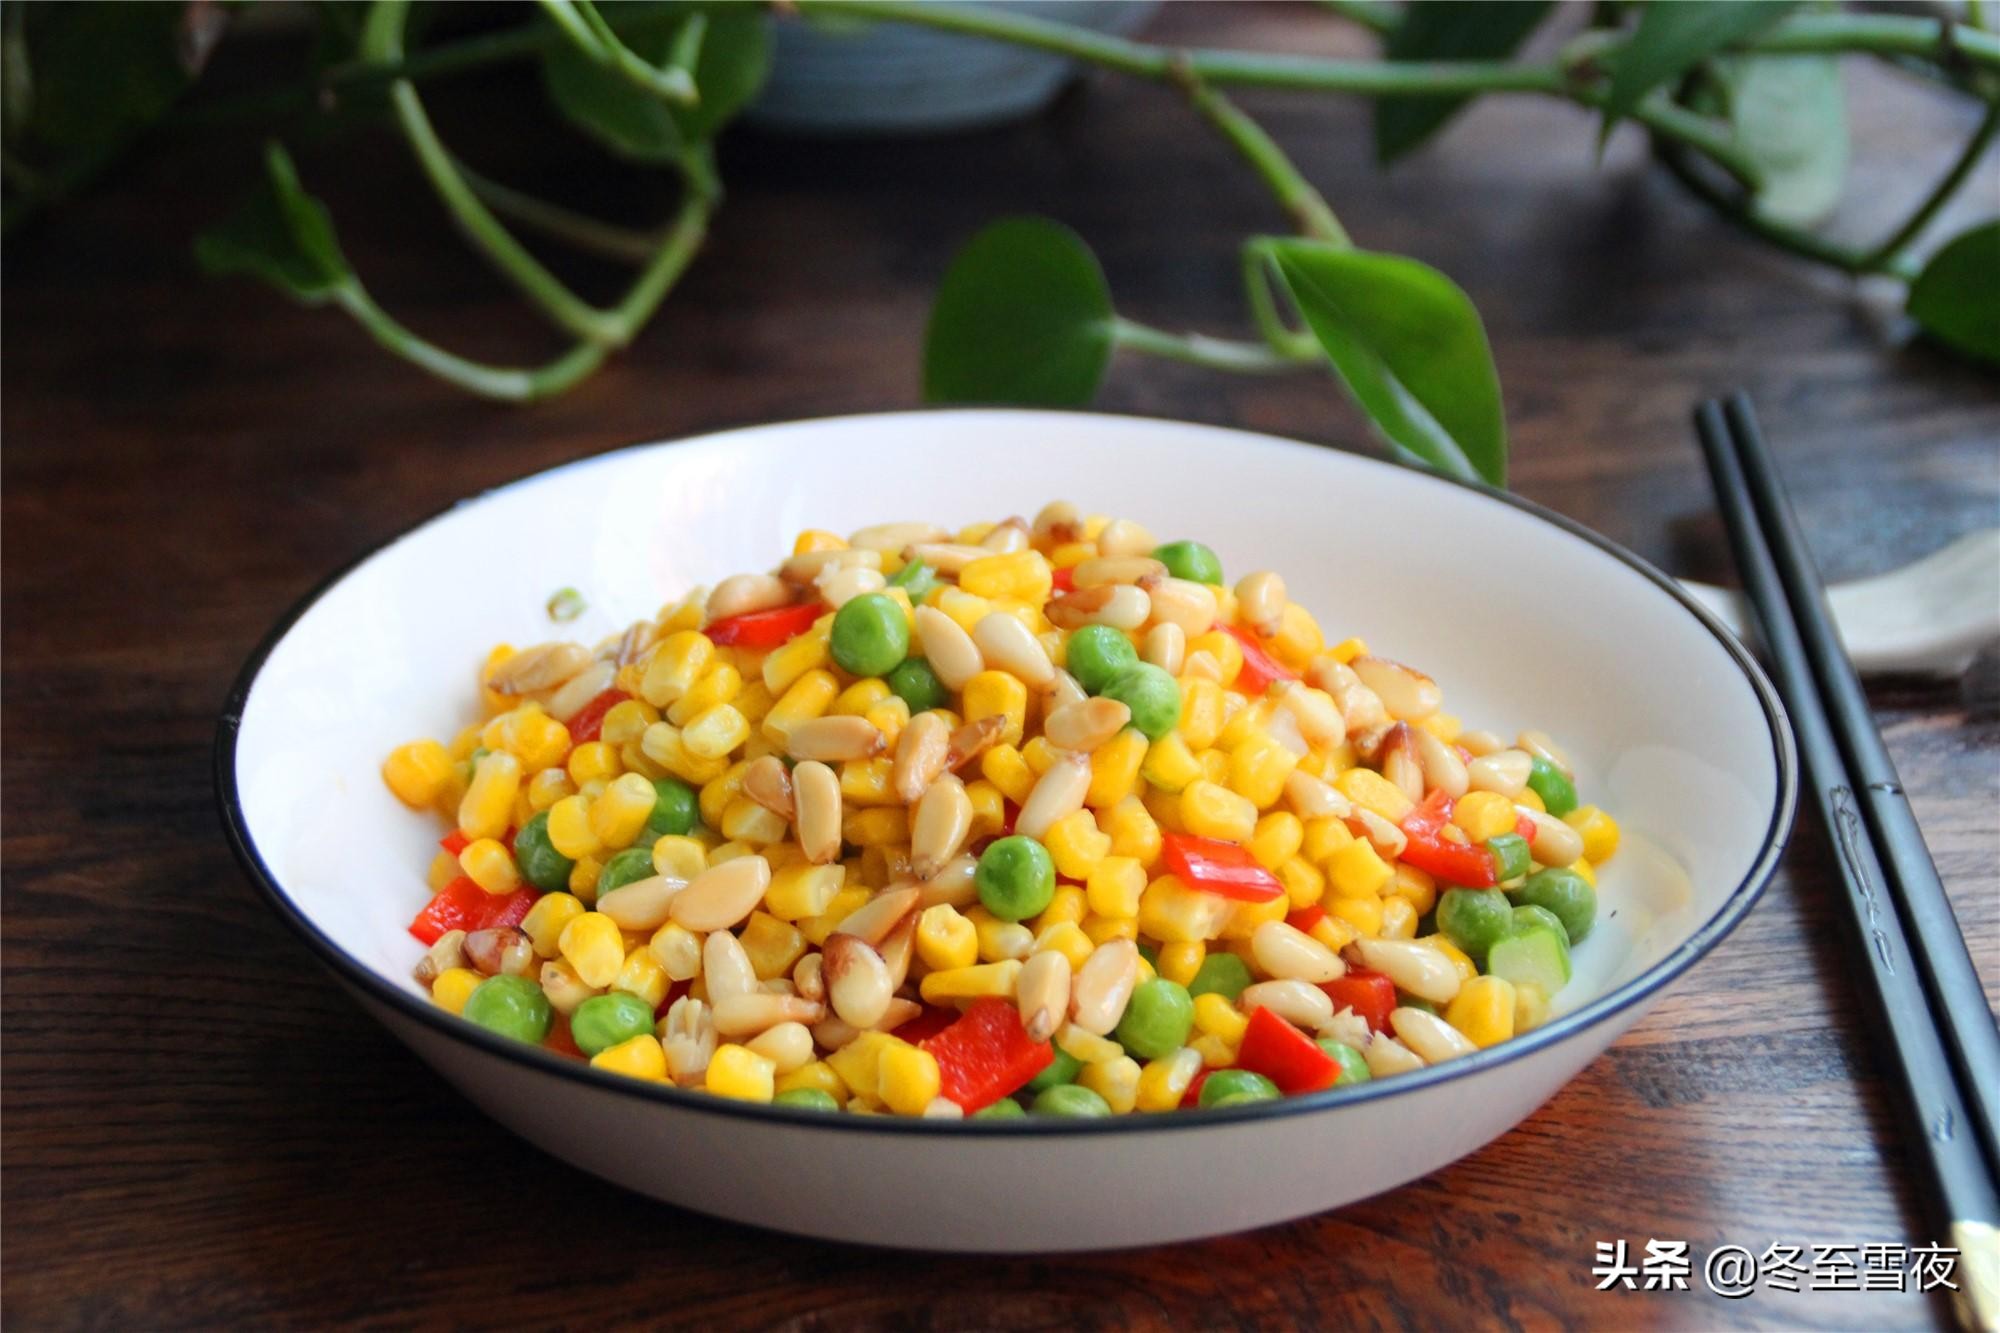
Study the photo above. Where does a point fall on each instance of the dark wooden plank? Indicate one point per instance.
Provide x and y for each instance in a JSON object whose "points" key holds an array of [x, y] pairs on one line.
{"points": [[200, 1130]]}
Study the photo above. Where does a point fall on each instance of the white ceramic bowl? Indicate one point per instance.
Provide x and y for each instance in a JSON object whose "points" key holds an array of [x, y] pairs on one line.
{"points": [[1526, 619]]}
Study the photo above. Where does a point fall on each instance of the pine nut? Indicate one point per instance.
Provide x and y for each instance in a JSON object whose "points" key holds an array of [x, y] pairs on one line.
{"points": [[1104, 985], [1185, 603], [1554, 843], [1165, 647], [1007, 941], [943, 1108], [760, 1011], [1260, 601], [1416, 968], [642, 904], [830, 1034], [1479, 744], [1064, 691], [722, 896], [1429, 1036], [1121, 536], [740, 594], [1289, 954], [899, 1012], [1318, 717], [1386, 1056], [581, 688], [1504, 771], [808, 979], [1297, 1002], [688, 1034], [1443, 770], [565, 989], [1349, 1027], [542, 667], [788, 1046], [807, 569], [943, 820], [1312, 798], [1367, 743], [1201, 665], [1085, 726], [1056, 793], [957, 884], [1283, 728], [1042, 992], [945, 557], [1058, 523], [886, 537], [972, 740], [777, 986], [1360, 707], [1008, 535], [1400, 763], [1387, 839], [920, 755], [1538, 744], [1117, 605], [816, 796], [1010, 646], [441, 957], [948, 648], [500, 951], [622, 650], [769, 783], [1140, 570], [873, 920], [835, 740], [857, 980], [1408, 694], [726, 968], [838, 587], [898, 950]]}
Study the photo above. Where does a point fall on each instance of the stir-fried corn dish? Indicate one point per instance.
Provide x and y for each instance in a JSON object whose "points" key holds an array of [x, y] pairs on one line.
{"points": [[1029, 818]]}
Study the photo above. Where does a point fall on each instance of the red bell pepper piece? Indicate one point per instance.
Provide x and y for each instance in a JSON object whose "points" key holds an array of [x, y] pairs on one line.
{"points": [[1192, 1097], [1224, 868], [588, 722], [933, 1020], [463, 905], [1526, 828], [765, 629], [1305, 918], [675, 990], [1369, 994], [986, 1054], [1259, 667], [454, 842], [1288, 1057], [1431, 814], [560, 1041], [1064, 580], [1438, 856]]}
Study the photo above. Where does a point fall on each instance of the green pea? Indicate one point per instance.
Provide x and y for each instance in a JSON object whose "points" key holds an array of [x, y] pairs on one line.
{"points": [[1510, 856], [1004, 1109], [1565, 893], [1553, 785], [917, 685], [1353, 1064], [1097, 654], [1528, 917], [915, 578], [602, 1021], [1474, 919], [1063, 1069], [541, 864], [676, 809], [1190, 560], [511, 1006], [1221, 974], [1153, 696], [1070, 1100], [1157, 1019], [627, 867], [812, 1099], [1236, 1087], [1016, 879], [870, 635]]}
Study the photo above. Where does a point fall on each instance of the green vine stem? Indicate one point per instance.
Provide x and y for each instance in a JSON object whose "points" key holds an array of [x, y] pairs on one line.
{"points": [[610, 50], [1295, 194], [1199, 349], [1941, 193], [606, 240]]}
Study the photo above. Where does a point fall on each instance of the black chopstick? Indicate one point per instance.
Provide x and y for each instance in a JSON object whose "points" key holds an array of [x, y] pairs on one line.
{"points": [[1946, 1138], [1936, 941]]}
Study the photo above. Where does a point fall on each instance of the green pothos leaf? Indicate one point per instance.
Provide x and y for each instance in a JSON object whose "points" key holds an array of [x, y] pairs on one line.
{"points": [[1956, 299], [1673, 37], [735, 58], [280, 234], [1023, 316], [1445, 30], [1789, 113]]}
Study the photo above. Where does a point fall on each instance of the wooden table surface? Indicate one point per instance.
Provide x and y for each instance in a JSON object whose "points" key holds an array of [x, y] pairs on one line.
{"points": [[201, 1130]]}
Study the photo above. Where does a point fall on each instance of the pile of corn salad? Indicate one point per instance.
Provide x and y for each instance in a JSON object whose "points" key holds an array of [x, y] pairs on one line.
{"points": [[1027, 818]]}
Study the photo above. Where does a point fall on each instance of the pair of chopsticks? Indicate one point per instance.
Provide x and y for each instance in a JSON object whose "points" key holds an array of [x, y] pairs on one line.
{"points": [[1943, 1041]]}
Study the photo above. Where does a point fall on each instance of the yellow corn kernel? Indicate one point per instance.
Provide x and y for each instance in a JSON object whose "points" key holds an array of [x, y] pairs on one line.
{"points": [[592, 944], [491, 701], [1087, 1046], [1216, 1016], [1116, 1081], [1224, 648], [1066, 904], [818, 1076], [545, 921], [1443, 726], [889, 717], [1068, 939], [859, 1063], [1244, 920], [773, 946], [592, 759], [945, 939], [1114, 887], [677, 662], [626, 722], [998, 694], [902, 599], [1041, 755], [1357, 871], [1325, 836], [633, 757], [755, 704], [463, 744], [547, 787], [869, 782], [1583, 867], [842, 905], [539, 741], [1599, 831], [1077, 845], [970, 983], [962, 606], [739, 1073], [716, 794], [453, 987], [807, 697], [1529, 797], [1249, 717], [1000, 940], [805, 654], [677, 950], [719, 685], [1415, 887], [1115, 767], [1163, 1082], [643, 976], [1170, 765], [618, 816], [1204, 710], [1365, 787], [1483, 814], [490, 866], [1258, 768], [1277, 838], [1170, 911], [803, 890], [1133, 831], [1215, 1052], [417, 772], [1456, 956], [1004, 767], [883, 826], [1180, 960], [1364, 914], [1348, 649], [489, 800], [1298, 639], [817, 539], [989, 811], [1103, 929], [907, 1079], [1304, 884], [729, 851], [1399, 919], [1071, 554], [1484, 1010], [1211, 810], [714, 732], [1021, 574], [1334, 932], [746, 821], [444, 868], [679, 857], [858, 698]]}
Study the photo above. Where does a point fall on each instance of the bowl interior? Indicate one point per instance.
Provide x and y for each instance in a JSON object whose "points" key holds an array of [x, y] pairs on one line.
{"points": [[1524, 623]]}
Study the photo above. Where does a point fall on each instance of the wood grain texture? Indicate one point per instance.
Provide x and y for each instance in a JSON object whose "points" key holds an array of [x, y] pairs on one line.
{"points": [[200, 1130]]}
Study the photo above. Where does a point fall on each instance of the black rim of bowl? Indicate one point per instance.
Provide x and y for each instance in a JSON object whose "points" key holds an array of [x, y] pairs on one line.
{"points": [[1553, 1033]]}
